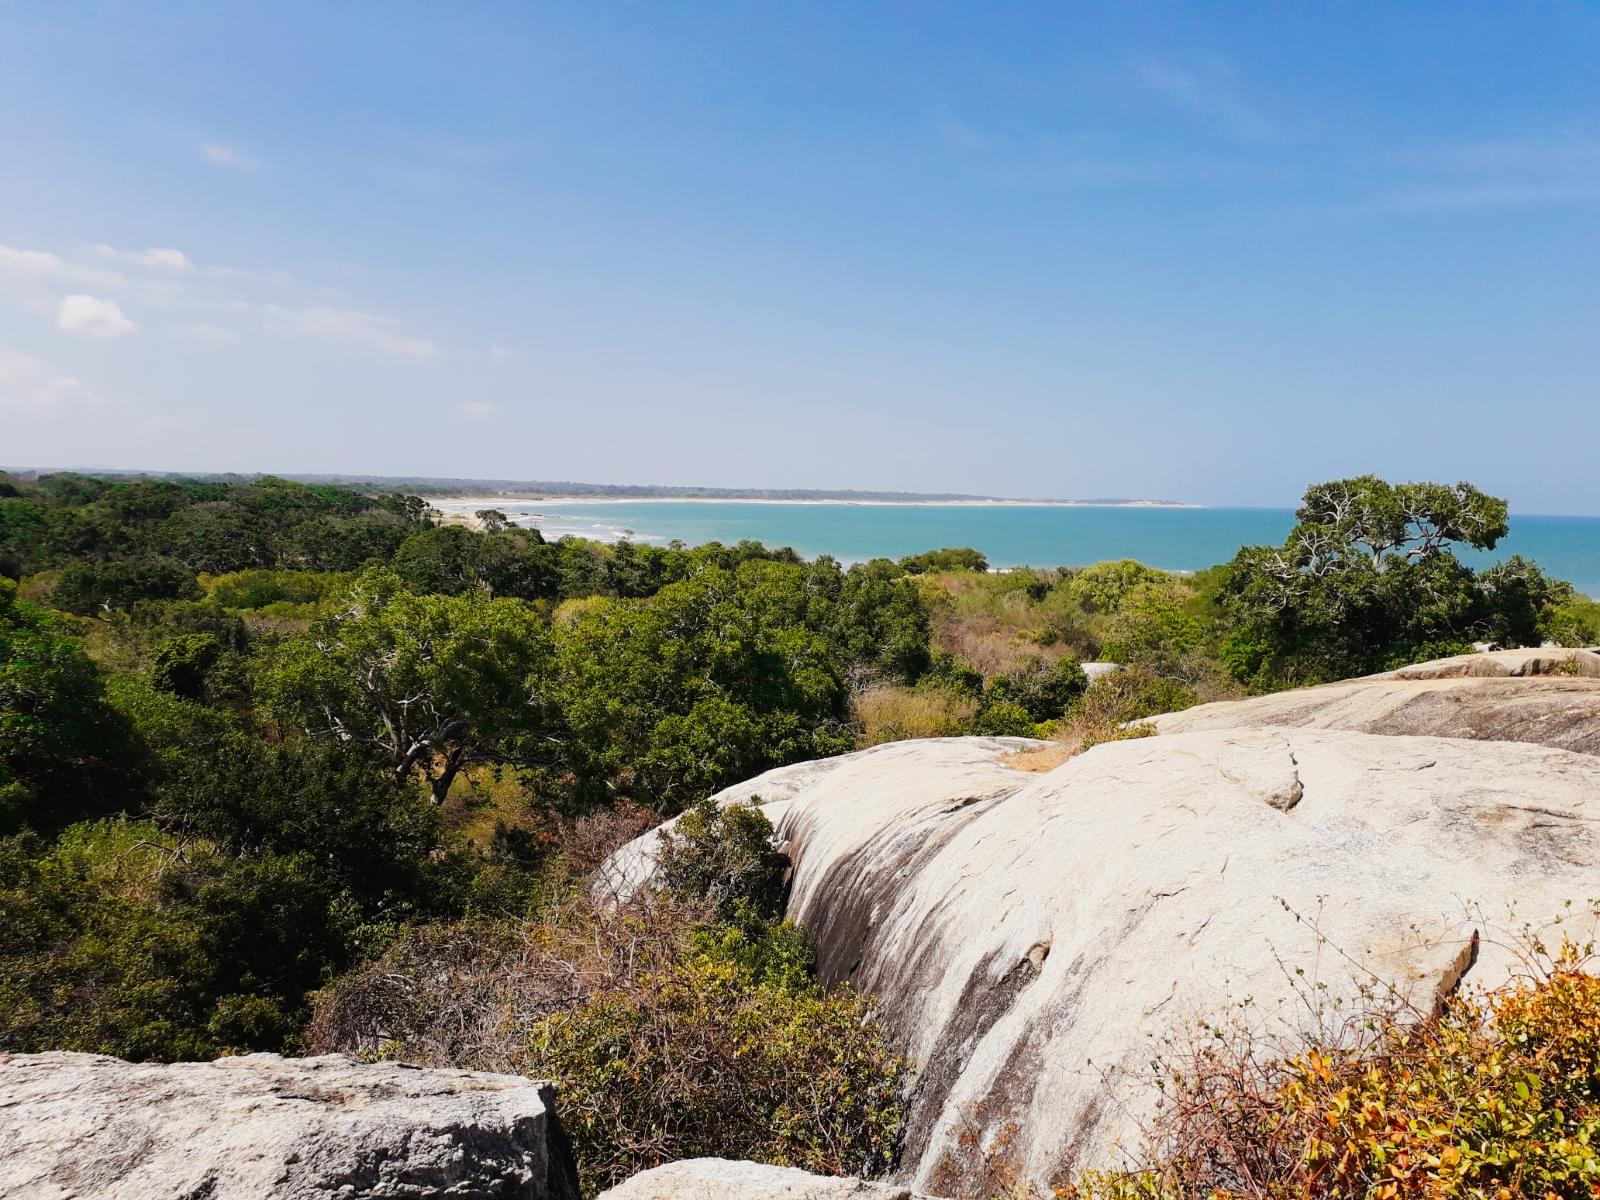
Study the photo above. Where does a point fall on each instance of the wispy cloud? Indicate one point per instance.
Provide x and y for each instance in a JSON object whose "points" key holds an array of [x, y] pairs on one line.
{"points": [[352, 327], [1207, 90], [476, 408], [27, 383], [227, 156], [198, 303], [1490, 174], [93, 316], [504, 354], [160, 258], [43, 264]]}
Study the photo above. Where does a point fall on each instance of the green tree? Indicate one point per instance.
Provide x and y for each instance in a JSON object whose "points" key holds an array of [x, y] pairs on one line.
{"points": [[92, 588], [710, 681], [64, 753], [1367, 580], [951, 558], [429, 684]]}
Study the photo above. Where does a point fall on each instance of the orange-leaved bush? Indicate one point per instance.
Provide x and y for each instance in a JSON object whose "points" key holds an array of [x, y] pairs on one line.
{"points": [[1497, 1096]]}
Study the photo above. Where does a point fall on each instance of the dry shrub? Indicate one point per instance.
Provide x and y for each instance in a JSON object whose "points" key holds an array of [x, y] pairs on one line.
{"points": [[1495, 1095], [729, 1051], [993, 623], [685, 1023], [587, 841], [892, 714]]}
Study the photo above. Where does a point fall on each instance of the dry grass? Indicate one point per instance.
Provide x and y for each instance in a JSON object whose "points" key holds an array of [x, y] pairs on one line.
{"points": [[994, 624], [1041, 758], [892, 714]]}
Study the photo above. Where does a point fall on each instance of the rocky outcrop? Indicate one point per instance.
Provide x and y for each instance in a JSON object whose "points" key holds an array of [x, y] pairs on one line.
{"points": [[89, 1127], [722, 1179], [1032, 938], [962, 765], [1546, 697]]}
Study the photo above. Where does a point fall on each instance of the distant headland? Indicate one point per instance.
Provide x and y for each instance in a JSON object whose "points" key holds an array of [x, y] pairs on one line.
{"points": [[444, 487], [510, 489]]}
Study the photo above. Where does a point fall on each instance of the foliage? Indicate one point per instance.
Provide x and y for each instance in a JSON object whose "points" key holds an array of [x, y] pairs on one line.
{"points": [[1041, 690], [951, 558], [1575, 622], [1367, 580], [1102, 587], [703, 1056], [117, 941], [64, 753], [183, 662], [90, 588], [261, 588], [1104, 711], [429, 684], [723, 855], [712, 680], [453, 560], [1497, 1096]]}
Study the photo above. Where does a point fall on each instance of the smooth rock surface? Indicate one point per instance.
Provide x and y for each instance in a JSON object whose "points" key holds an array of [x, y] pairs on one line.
{"points": [[724, 1179], [89, 1127], [962, 763], [1032, 938], [1505, 695]]}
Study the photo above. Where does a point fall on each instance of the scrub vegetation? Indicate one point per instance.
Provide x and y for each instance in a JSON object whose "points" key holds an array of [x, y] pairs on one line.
{"points": [[299, 767]]}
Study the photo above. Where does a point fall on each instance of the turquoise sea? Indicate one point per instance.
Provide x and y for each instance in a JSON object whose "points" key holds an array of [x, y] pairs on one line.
{"points": [[1178, 539]]}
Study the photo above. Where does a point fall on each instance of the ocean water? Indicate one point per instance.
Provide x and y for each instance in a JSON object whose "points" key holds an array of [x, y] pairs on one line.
{"points": [[1174, 539]]}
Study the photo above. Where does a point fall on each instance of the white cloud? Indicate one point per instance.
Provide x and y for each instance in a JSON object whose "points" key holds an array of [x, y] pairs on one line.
{"points": [[476, 408], [27, 383], [199, 331], [503, 354], [227, 156], [52, 266], [93, 317], [363, 330], [164, 258]]}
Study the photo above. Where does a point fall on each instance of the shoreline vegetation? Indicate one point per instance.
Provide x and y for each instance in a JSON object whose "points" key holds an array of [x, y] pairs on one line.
{"points": [[825, 498], [567, 491], [299, 768]]}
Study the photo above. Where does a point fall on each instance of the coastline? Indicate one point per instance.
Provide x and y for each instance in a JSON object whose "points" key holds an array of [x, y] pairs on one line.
{"points": [[461, 503]]}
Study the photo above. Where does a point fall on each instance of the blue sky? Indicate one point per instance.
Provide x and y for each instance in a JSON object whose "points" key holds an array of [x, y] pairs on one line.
{"points": [[1201, 252]]}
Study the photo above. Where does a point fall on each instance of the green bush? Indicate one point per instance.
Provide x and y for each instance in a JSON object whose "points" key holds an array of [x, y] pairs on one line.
{"points": [[1041, 690], [720, 1054], [723, 855], [91, 588]]}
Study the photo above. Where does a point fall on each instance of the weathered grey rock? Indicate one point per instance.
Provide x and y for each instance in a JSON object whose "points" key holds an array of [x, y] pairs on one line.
{"points": [[1506, 695], [725, 1179], [89, 1127], [1545, 660], [1032, 937], [962, 764]]}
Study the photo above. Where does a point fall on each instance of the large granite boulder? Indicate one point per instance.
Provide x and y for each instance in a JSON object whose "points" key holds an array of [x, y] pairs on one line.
{"points": [[1549, 697], [88, 1127], [724, 1179], [1032, 937]]}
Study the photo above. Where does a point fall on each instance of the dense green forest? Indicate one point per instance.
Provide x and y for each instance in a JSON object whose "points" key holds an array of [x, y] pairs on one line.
{"points": [[268, 747]]}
